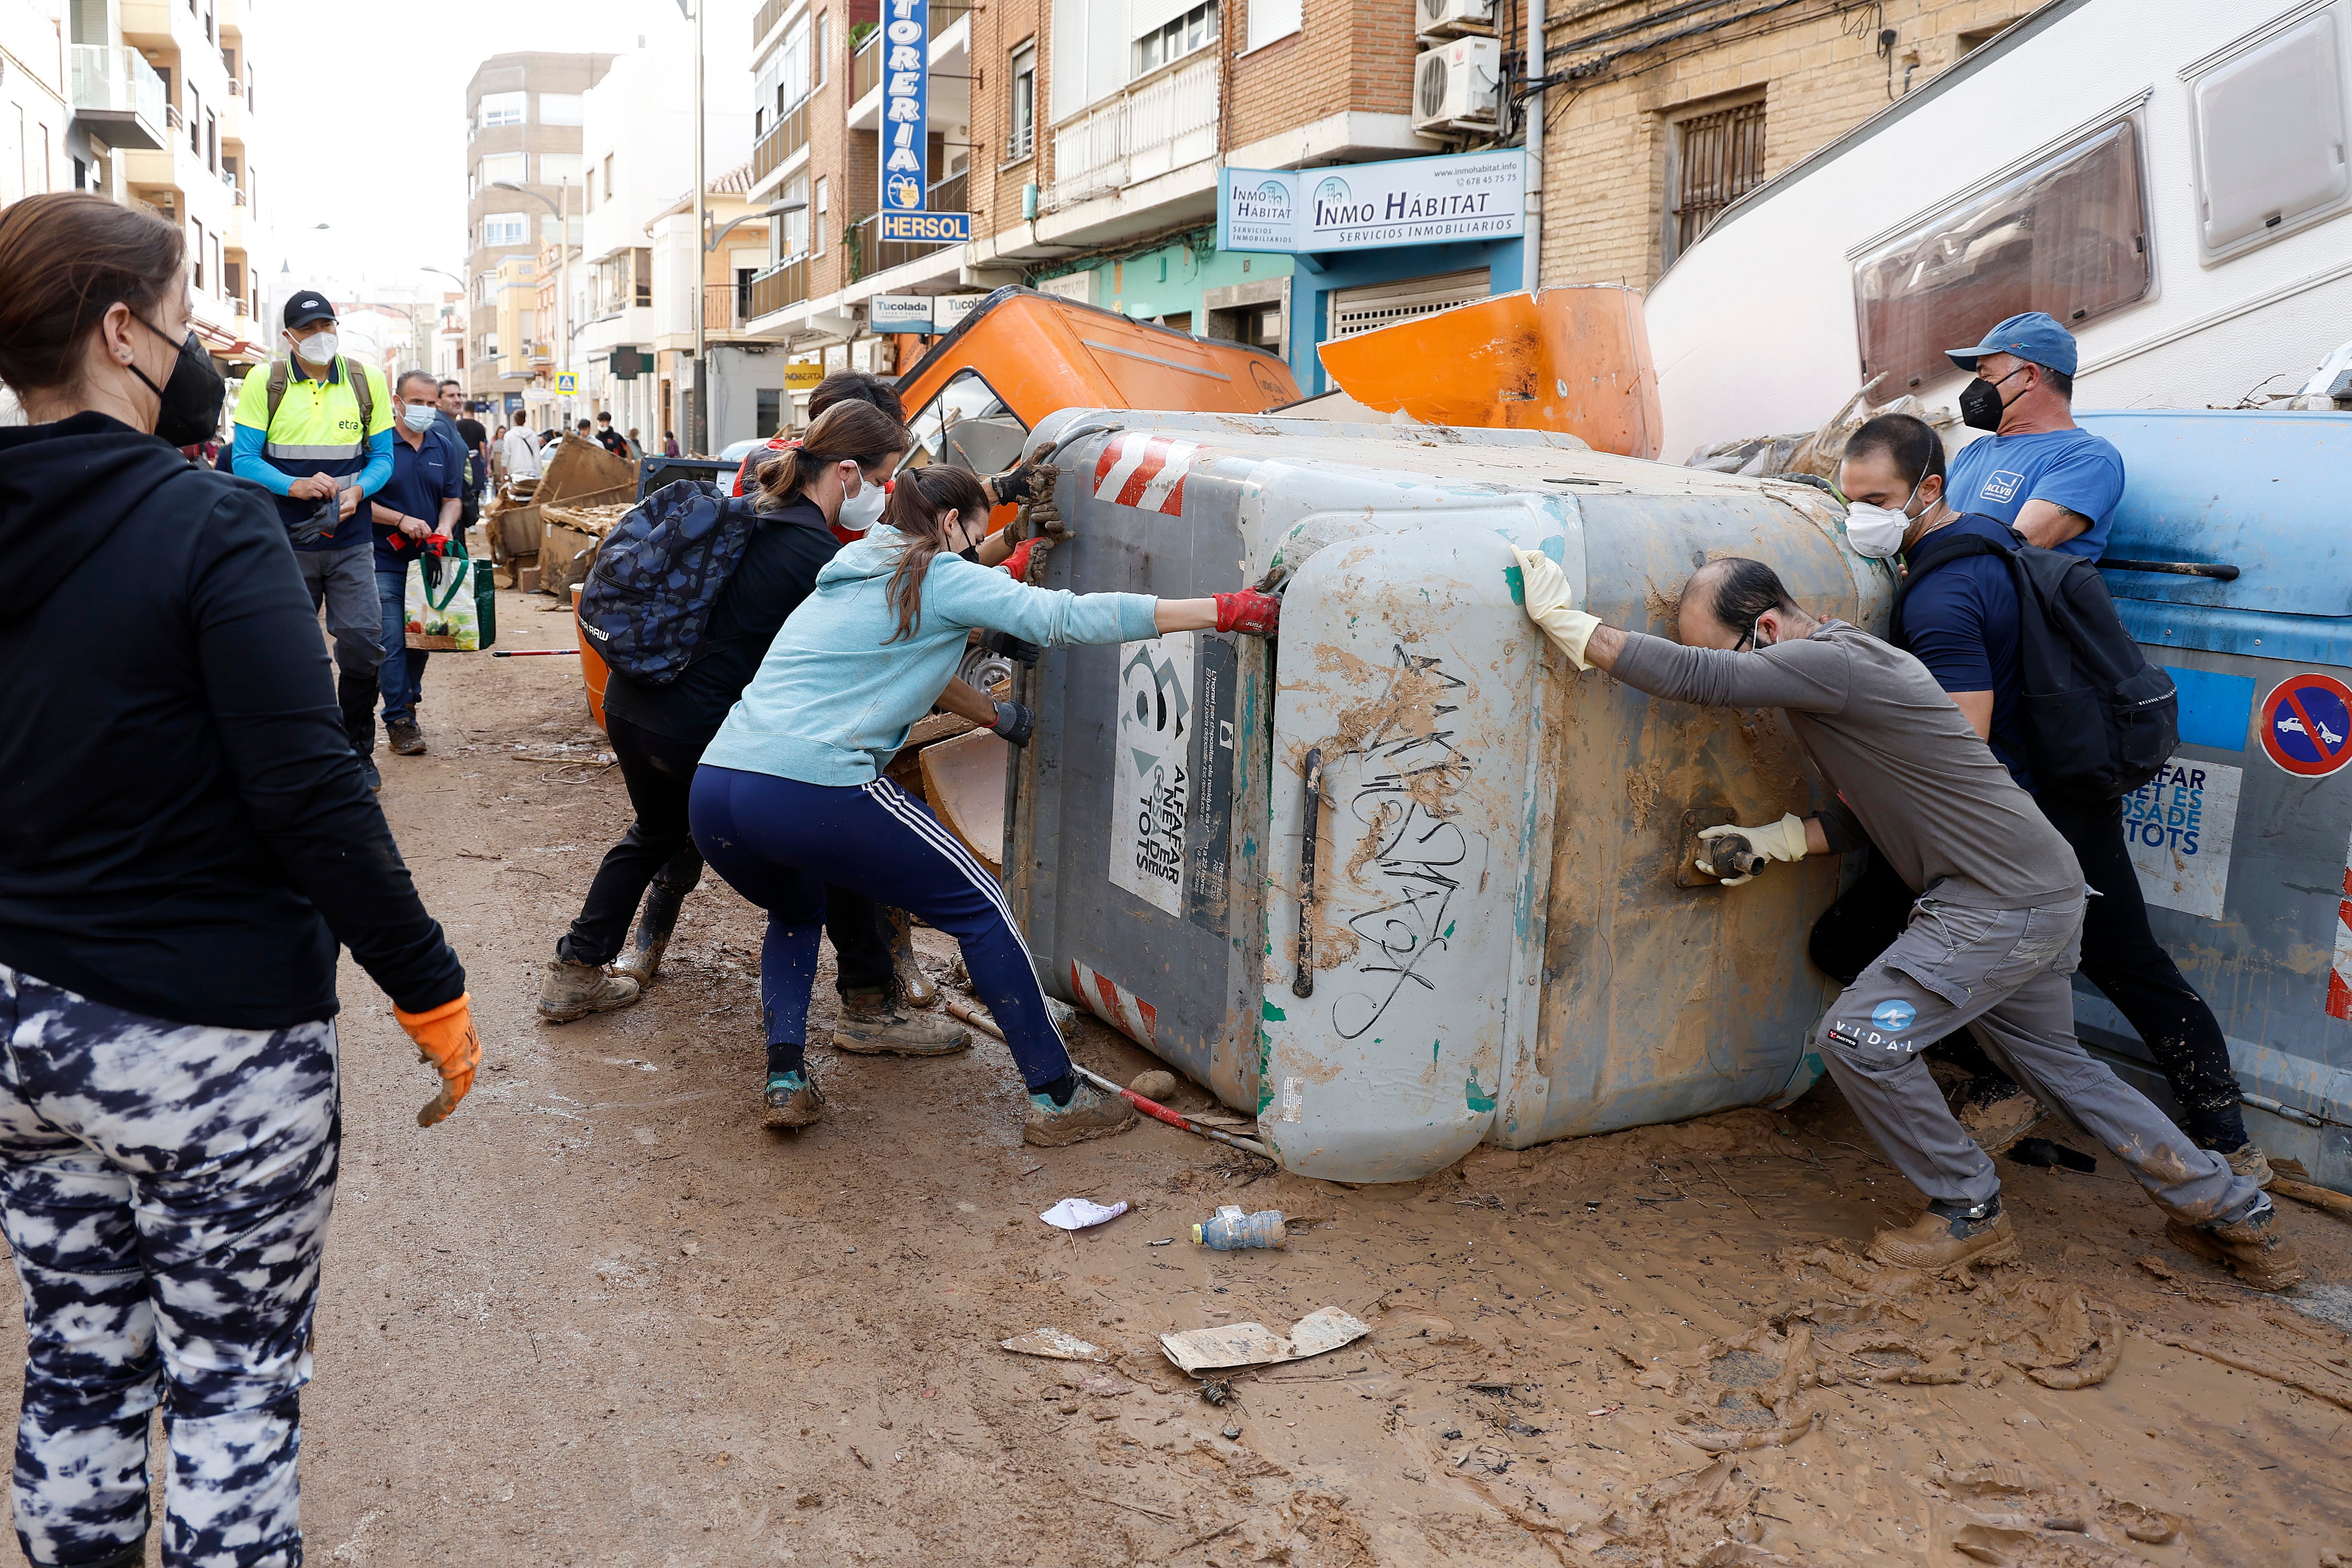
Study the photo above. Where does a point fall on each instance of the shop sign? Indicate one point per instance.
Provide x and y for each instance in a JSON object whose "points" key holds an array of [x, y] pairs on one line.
{"points": [[905, 105], [1369, 206]]}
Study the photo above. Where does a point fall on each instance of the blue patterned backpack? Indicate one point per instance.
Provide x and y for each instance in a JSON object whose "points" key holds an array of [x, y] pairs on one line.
{"points": [[647, 604]]}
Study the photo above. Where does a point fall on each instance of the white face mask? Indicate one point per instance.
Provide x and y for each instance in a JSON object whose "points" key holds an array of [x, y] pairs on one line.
{"points": [[864, 509], [420, 417], [1877, 531], [319, 348]]}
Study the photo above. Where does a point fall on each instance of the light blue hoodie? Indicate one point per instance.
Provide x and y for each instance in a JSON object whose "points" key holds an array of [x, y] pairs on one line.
{"points": [[834, 697]]}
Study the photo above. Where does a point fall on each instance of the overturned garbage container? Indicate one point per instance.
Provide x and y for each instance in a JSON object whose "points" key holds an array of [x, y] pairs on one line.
{"points": [[1401, 882], [2230, 563]]}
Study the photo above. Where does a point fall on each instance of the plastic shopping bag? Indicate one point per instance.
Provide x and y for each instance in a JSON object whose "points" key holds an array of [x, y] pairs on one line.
{"points": [[444, 615]]}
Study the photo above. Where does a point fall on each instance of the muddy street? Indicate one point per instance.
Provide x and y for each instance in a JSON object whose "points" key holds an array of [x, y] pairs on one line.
{"points": [[601, 1317]]}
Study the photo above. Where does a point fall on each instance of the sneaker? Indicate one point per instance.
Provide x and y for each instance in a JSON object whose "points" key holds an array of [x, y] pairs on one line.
{"points": [[1091, 1113], [872, 1024], [2254, 1248], [576, 990], [407, 739], [791, 1101], [369, 776], [1939, 1241], [1996, 1113], [643, 961]]}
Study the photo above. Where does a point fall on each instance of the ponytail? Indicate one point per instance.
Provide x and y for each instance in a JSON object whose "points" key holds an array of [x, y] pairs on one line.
{"points": [[847, 432], [919, 505]]}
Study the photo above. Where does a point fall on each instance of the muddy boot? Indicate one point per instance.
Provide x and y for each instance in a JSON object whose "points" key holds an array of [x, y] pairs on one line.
{"points": [[1946, 1236], [2247, 1161], [2254, 1248], [913, 983], [405, 738], [791, 1101], [659, 918], [1996, 1113], [576, 990], [873, 1023], [1091, 1113]]}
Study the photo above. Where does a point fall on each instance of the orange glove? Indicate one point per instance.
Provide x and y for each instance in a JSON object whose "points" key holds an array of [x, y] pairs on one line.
{"points": [[446, 1038]]}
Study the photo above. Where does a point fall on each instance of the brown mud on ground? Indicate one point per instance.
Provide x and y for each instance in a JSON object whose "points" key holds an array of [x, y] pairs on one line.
{"points": [[600, 1317]]}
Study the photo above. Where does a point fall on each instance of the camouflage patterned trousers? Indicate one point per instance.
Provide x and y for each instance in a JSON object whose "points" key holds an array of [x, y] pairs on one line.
{"points": [[164, 1189]]}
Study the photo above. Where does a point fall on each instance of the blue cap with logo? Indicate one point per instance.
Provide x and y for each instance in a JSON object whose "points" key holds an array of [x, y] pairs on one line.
{"points": [[2035, 337]]}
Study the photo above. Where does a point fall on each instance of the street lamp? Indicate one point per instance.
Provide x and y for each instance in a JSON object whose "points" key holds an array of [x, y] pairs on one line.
{"points": [[699, 432], [564, 284]]}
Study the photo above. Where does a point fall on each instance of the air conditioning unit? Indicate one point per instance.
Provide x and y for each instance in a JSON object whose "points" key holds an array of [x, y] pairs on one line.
{"points": [[1458, 86], [1449, 18]]}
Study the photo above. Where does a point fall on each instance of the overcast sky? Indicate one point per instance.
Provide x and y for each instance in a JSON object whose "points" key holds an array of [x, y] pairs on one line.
{"points": [[392, 188]]}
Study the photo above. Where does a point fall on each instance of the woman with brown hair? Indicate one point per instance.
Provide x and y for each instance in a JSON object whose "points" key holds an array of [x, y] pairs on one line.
{"points": [[185, 839], [790, 795]]}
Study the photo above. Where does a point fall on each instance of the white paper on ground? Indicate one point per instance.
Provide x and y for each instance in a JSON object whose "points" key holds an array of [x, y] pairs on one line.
{"points": [[1254, 1345], [1054, 1344], [1076, 1214]]}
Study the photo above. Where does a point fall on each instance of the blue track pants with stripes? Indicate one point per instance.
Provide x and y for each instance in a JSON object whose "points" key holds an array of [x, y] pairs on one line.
{"points": [[779, 841]]}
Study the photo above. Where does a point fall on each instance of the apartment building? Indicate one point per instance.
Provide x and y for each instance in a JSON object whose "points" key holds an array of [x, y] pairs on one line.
{"points": [[745, 385], [525, 188], [1085, 138], [638, 140], [1678, 109], [150, 103]]}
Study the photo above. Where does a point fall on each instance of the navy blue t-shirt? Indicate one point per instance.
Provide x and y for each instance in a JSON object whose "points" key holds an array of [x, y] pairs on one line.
{"points": [[423, 477], [1961, 621]]}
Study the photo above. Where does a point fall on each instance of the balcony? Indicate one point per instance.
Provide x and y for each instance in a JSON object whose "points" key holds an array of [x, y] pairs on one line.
{"points": [[725, 307], [773, 291], [1161, 123], [866, 66], [118, 94], [784, 138], [868, 255], [769, 16]]}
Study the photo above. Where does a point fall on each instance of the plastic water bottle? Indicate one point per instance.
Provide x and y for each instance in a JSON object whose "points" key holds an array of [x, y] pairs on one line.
{"points": [[1232, 1230]]}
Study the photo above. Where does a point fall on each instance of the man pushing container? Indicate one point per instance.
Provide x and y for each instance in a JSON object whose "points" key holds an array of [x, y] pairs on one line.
{"points": [[1991, 941]]}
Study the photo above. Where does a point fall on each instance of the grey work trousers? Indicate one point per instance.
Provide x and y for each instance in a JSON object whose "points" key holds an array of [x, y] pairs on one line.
{"points": [[2004, 970], [344, 582]]}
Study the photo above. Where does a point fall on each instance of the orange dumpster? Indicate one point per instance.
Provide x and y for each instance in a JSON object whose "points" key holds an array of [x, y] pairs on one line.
{"points": [[1576, 359], [592, 667]]}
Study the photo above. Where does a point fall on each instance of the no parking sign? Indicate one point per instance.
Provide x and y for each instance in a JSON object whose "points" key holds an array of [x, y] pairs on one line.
{"points": [[2307, 725]]}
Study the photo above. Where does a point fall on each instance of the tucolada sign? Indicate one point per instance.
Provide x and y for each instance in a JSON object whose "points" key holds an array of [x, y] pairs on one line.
{"points": [[1366, 206]]}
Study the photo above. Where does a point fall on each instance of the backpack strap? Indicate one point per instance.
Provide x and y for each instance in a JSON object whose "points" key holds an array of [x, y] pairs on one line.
{"points": [[280, 369], [357, 376], [1934, 551]]}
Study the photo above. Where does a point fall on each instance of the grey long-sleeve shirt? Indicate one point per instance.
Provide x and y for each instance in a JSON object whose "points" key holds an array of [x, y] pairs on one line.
{"points": [[1911, 774]]}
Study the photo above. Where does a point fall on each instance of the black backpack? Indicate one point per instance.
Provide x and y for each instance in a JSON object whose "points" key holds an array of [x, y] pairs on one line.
{"points": [[657, 576], [2100, 720]]}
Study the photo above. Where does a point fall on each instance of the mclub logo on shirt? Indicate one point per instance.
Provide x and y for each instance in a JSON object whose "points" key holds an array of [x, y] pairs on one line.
{"points": [[2000, 486]]}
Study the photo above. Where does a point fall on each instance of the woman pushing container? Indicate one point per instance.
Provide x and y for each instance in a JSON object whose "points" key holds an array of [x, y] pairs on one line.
{"points": [[791, 794]]}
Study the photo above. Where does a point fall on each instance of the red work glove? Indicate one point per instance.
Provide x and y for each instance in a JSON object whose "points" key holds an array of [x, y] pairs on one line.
{"points": [[1249, 612], [1018, 562], [445, 1037]]}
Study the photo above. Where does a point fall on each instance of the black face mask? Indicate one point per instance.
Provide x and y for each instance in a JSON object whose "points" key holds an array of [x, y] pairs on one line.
{"points": [[1980, 401], [191, 395]]}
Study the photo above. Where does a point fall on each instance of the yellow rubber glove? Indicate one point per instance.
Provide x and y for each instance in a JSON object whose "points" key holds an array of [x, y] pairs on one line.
{"points": [[1550, 607], [445, 1038], [1781, 840]]}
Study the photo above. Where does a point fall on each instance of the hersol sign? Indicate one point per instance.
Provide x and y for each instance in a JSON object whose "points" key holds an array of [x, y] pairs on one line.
{"points": [[1365, 206]]}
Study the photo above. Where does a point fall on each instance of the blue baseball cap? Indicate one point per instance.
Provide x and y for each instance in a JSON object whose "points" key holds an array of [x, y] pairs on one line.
{"points": [[2035, 337]]}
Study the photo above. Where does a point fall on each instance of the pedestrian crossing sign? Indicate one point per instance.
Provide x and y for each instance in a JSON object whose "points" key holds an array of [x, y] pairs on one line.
{"points": [[567, 383]]}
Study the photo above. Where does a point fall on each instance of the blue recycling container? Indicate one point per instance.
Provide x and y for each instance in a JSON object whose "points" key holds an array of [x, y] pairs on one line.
{"points": [[2230, 560]]}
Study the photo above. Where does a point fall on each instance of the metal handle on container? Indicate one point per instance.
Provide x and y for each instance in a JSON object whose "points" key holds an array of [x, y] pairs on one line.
{"points": [[1303, 983], [2221, 571]]}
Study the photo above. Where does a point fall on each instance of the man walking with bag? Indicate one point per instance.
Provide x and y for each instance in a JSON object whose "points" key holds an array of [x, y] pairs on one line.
{"points": [[315, 431], [422, 500]]}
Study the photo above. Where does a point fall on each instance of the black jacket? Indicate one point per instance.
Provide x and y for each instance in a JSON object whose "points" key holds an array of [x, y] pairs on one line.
{"points": [[787, 549], [184, 832]]}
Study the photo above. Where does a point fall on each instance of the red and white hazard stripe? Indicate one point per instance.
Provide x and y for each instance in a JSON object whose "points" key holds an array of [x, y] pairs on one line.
{"points": [[1145, 471], [2339, 973], [1115, 1006]]}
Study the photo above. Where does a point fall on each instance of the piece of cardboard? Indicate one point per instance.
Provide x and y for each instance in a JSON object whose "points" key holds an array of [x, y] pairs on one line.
{"points": [[1054, 1345], [1254, 1345], [580, 468], [565, 555]]}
